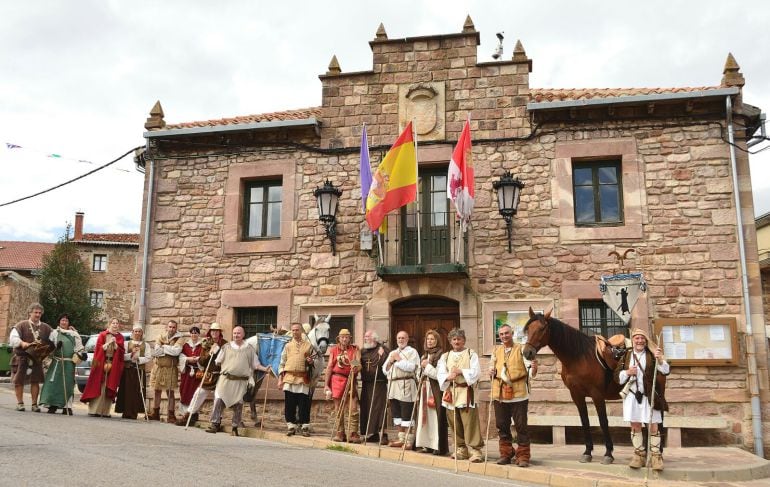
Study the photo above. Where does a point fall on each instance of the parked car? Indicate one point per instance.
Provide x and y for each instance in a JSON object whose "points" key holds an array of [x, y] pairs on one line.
{"points": [[83, 369]]}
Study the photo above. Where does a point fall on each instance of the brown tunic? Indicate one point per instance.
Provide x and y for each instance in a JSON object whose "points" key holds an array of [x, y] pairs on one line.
{"points": [[21, 361]]}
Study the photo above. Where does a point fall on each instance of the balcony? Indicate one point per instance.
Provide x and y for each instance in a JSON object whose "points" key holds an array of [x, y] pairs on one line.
{"points": [[443, 248]]}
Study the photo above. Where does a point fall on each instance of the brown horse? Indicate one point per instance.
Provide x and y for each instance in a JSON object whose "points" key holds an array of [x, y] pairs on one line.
{"points": [[581, 372]]}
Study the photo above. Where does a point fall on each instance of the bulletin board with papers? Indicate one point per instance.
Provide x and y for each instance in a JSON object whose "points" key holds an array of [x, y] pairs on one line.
{"points": [[694, 341]]}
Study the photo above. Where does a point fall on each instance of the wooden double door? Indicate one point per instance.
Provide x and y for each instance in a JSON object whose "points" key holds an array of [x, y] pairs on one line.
{"points": [[419, 315]]}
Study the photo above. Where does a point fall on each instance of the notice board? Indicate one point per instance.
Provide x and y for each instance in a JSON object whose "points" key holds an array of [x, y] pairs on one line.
{"points": [[698, 341]]}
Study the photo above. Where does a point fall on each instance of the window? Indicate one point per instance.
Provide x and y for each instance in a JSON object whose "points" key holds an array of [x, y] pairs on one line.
{"points": [[257, 320], [596, 318], [598, 192], [97, 298], [337, 323], [100, 263], [262, 209]]}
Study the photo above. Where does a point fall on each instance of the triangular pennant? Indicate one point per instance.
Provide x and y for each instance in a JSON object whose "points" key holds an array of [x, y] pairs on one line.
{"points": [[621, 292]]}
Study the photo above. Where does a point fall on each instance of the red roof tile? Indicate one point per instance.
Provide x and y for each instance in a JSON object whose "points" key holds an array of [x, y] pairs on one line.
{"points": [[23, 255], [298, 114], [564, 94], [128, 238]]}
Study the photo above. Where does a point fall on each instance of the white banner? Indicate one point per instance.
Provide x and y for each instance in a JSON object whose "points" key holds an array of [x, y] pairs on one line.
{"points": [[621, 292]]}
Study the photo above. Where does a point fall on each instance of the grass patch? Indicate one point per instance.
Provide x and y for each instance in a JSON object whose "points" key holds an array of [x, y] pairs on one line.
{"points": [[342, 448]]}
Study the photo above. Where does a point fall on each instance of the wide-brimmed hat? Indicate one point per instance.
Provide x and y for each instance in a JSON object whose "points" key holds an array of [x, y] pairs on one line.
{"points": [[343, 332], [137, 327], [215, 326]]}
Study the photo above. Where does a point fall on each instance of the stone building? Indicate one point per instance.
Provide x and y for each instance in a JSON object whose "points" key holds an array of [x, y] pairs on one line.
{"points": [[112, 260], [234, 232], [20, 265], [763, 247]]}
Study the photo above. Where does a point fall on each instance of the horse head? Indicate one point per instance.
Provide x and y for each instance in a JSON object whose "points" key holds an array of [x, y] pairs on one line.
{"points": [[319, 334], [537, 332]]}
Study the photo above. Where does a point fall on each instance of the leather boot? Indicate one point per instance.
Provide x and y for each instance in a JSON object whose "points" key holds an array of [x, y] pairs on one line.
{"points": [[657, 459], [639, 458], [170, 418], [193, 419], [213, 428], [355, 438], [234, 432], [182, 421], [522, 456], [305, 430], [400, 441], [291, 429], [409, 441], [339, 437], [384, 439], [506, 452], [154, 415], [476, 455]]}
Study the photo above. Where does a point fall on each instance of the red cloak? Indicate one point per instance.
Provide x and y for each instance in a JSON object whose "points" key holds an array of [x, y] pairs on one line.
{"points": [[189, 384], [94, 385]]}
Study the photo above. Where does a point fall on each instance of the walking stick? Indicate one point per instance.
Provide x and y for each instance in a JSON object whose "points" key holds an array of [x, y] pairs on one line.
{"points": [[652, 409], [371, 403], [454, 428], [198, 389], [411, 420], [264, 403], [341, 412], [352, 379], [63, 381], [141, 389], [489, 421], [385, 415]]}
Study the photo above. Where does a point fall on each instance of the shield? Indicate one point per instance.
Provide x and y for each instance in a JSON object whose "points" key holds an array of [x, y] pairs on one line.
{"points": [[270, 349], [621, 292]]}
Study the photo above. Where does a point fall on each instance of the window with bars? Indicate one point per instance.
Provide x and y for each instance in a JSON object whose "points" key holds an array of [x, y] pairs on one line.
{"points": [[100, 263], [262, 210], [596, 318], [256, 320], [337, 323], [97, 298], [598, 193]]}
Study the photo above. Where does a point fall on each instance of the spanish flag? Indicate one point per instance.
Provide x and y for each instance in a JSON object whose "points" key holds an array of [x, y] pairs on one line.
{"points": [[394, 183]]}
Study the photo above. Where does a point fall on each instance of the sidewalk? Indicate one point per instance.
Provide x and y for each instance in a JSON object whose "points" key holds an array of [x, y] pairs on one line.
{"points": [[558, 465]]}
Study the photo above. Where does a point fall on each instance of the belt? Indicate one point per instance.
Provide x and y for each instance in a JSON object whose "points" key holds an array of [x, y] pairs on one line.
{"points": [[460, 385], [340, 374], [62, 359], [404, 378], [235, 377]]}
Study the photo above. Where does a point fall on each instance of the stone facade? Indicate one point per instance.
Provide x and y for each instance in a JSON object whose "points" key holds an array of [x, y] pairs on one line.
{"points": [[16, 294], [113, 261], [678, 207]]}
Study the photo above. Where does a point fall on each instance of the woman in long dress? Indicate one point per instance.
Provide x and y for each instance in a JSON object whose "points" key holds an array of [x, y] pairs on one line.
{"points": [[432, 434], [58, 388], [106, 371], [192, 374]]}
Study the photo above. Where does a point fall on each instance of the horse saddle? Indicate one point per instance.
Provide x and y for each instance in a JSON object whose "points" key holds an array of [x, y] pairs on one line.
{"points": [[609, 350]]}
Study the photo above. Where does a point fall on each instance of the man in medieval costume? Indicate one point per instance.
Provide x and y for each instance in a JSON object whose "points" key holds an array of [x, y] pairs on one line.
{"points": [[374, 388], [458, 374], [191, 373], [344, 364], [638, 366], [294, 378], [165, 376], [31, 343], [510, 374], [211, 346], [59, 386], [238, 360], [106, 371], [131, 394], [401, 369]]}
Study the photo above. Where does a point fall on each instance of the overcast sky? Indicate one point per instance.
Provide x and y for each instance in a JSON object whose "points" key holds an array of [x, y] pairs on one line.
{"points": [[79, 77]]}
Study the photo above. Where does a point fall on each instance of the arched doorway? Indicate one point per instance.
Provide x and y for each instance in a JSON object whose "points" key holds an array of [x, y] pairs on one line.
{"points": [[417, 315]]}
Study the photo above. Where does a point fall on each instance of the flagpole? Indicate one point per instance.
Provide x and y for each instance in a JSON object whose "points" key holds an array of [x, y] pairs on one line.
{"points": [[417, 194]]}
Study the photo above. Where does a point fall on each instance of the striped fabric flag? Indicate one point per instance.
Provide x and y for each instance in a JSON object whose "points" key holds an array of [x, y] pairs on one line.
{"points": [[395, 181], [12, 146], [366, 169], [460, 180]]}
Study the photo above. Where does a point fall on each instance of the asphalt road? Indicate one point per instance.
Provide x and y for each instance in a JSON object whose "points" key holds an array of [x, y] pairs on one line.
{"points": [[54, 450]]}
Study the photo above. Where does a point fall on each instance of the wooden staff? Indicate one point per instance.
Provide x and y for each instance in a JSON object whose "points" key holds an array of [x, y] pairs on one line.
{"points": [[371, 403], [385, 415], [264, 403], [200, 386], [352, 390], [63, 378], [489, 420], [338, 415], [454, 429], [652, 409], [411, 420]]}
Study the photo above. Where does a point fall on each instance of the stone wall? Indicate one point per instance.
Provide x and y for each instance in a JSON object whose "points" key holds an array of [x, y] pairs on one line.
{"points": [[16, 294], [118, 282]]}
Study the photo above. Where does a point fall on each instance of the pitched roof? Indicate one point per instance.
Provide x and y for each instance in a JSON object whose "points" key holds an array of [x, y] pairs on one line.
{"points": [[110, 238], [564, 94], [23, 255], [298, 114]]}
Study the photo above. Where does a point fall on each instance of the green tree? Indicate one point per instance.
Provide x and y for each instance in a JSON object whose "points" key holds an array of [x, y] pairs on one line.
{"points": [[64, 287]]}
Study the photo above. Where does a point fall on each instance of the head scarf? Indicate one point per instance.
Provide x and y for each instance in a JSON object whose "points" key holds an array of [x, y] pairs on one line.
{"points": [[433, 354]]}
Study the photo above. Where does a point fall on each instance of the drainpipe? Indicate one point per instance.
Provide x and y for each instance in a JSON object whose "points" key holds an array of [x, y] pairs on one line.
{"points": [[147, 226], [753, 377]]}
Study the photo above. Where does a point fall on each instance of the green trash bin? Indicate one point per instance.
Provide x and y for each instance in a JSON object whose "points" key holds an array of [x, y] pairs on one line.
{"points": [[6, 351]]}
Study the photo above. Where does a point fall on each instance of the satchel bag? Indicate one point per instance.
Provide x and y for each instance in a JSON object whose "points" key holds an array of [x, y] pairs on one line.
{"points": [[431, 400], [447, 398]]}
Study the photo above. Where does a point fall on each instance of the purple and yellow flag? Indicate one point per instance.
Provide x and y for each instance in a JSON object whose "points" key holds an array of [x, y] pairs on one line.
{"points": [[395, 181]]}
